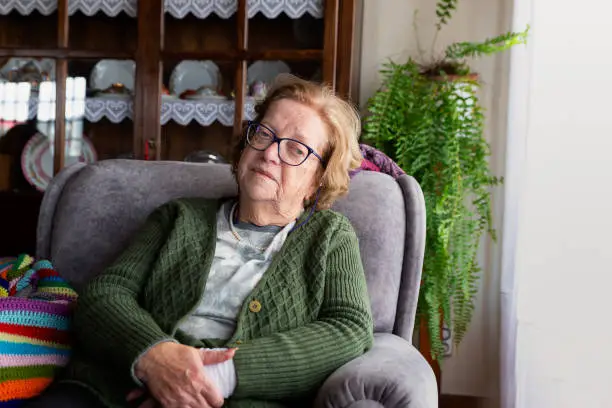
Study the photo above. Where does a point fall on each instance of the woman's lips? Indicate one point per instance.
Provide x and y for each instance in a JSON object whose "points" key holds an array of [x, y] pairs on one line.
{"points": [[265, 174]]}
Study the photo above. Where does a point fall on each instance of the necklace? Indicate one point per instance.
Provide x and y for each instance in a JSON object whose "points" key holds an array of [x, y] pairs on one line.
{"points": [[235, 233]]}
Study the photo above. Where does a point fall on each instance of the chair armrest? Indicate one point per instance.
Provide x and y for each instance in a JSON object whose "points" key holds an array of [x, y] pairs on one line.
{"points": [[391, 374]]}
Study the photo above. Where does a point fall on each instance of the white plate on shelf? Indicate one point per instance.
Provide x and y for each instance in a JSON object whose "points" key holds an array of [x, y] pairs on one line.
{"points": [[37, 158], [108, 72], [266, 71], [44, 65], [192, 75]]}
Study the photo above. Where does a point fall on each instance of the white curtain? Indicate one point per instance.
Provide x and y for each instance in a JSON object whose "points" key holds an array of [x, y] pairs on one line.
{"points": [[518, 116], [556, 286]]}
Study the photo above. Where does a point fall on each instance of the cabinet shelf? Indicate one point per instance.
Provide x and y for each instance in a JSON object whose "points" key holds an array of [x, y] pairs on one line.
{"points": [[203, 111], [247, 55], [57, 52], [226, 55], [176, 8]]}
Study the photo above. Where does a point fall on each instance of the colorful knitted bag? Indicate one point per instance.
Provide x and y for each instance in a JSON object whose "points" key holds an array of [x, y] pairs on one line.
{"points": [[35, 315]]}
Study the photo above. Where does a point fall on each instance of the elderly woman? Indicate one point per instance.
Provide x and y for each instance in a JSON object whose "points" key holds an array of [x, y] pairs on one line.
{"points": [[248, 302]]}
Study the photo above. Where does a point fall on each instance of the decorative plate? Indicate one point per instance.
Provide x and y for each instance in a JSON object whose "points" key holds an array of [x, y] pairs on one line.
{"points": [[107, 73], [18, 68], [37, 158], [193, 75], [266, 71]]}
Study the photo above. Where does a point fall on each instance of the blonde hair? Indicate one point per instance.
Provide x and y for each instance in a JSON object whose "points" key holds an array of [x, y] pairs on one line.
{"points": [[342, 153]]}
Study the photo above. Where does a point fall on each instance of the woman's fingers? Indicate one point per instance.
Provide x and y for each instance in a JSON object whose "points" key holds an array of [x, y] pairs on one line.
{"points": [[212, 396], [149, 403], [216, 356], [139, 392], [176, 379], [135, 394], [208, 398]]}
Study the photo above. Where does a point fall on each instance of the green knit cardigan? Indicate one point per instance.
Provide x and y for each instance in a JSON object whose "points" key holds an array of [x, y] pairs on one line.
{"points": [[315, 314]]}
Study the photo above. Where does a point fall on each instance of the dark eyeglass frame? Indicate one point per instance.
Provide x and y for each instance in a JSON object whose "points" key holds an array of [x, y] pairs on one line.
{"points": [[277, 140]]}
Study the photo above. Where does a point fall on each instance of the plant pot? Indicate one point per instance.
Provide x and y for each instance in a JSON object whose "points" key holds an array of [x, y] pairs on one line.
{"points": [[425, 349], [472, 78], [465, 90]]}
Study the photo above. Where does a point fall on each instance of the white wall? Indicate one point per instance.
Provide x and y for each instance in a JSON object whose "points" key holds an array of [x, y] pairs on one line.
{"points": [[388, 33], [561, 206]]}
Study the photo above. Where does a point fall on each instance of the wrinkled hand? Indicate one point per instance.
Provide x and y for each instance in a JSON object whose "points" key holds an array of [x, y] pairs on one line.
{"points": [[175, 378]]}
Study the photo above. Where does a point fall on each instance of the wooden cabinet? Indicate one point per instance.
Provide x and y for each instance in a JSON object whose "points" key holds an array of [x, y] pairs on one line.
{"points": [[313, 37]]}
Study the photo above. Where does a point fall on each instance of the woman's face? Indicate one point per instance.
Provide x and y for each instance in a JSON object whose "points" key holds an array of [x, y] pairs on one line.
{"points": [[263, 177]]}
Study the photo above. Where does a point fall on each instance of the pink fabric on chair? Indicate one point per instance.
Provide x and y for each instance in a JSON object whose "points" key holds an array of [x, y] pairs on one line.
{"points": [[375, 160]]}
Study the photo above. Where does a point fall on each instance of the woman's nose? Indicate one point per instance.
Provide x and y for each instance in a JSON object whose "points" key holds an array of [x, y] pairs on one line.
{"points": [[271, 153]]}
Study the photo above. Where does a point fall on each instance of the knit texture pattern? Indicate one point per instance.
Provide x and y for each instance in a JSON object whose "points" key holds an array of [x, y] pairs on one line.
{"points": [[308, 315], [35, 319]]}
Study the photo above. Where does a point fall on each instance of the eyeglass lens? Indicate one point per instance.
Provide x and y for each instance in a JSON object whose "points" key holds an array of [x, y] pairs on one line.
{"points": [[290, 151]]}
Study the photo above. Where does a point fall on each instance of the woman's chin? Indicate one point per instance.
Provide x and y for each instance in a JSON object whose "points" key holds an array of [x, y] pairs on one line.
{"points": [[257, 192]]}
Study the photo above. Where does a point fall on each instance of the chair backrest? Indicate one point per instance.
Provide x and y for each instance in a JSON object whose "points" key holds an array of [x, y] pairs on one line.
{"points": [[89, 213]]}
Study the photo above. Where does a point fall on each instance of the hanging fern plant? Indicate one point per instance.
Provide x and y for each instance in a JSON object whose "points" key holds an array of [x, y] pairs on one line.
{"points": [[428, 118]]}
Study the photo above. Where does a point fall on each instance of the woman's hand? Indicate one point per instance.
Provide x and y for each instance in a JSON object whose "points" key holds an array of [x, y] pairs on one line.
{"points": [[175, 378]]}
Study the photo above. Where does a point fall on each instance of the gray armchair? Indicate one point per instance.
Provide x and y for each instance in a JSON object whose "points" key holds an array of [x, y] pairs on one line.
{"points": [[89, 213]]}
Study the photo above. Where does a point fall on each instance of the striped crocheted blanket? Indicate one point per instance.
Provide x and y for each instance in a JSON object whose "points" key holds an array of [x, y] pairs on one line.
{"points": [[35, 315]]}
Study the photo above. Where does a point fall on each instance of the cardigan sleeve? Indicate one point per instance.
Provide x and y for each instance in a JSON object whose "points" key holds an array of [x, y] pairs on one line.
{"points": [[296, 362], [109, 323]]}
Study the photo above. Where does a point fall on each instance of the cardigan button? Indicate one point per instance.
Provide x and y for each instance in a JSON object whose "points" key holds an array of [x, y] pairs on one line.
{"points": [[255, 306]]}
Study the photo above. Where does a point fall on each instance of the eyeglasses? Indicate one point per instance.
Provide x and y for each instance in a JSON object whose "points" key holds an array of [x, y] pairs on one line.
{"points": [[290, 151]]}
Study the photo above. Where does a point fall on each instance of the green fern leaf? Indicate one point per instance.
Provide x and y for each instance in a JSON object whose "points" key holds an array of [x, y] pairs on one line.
{"points": [[461, 50]]}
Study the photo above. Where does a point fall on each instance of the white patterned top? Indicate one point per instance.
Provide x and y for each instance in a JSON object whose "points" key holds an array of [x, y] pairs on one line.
{"points": [[235, 271]]}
